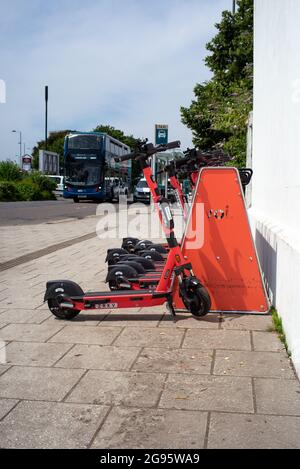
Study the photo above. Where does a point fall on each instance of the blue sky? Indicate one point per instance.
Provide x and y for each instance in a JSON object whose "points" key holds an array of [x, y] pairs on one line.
{"points": [[127, 63]]}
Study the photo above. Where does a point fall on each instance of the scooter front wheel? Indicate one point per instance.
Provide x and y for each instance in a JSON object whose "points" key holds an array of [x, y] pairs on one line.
{"points": [[195, 297], [61, 313], [201, 303]]}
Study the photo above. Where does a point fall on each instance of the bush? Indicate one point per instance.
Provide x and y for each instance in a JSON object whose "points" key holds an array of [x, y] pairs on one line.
{"points": [[28, 192], [43, 182], [34, 186], [8, 191], [9, 171]]}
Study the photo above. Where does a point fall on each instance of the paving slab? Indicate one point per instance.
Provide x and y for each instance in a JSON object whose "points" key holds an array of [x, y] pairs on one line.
{"points": [[99, 357], [83, 319], [152, 428], [3, 368], [267, 341], [50, 425], [24, 316], [255, 364], [281, 397], [233, 431], [201, 392], [150, 337], [29, 332], [187, 321], [133, 319], [250, 322], [5, 406], [86, 335], [118, 388], [34, 354], [217, 339], [174, 361], [52, 384]]}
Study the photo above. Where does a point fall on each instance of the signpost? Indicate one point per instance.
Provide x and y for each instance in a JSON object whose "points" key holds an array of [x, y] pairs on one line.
{"points": [[26, 163], [161, 134], [161, 137]]}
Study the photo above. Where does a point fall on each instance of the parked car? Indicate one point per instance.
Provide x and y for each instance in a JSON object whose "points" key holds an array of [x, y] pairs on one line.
{"points": [[59, 183], [141, 192]]}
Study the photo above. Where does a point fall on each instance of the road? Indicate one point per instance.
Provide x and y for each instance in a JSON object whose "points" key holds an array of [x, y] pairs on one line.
{"points": [[24, 213]]}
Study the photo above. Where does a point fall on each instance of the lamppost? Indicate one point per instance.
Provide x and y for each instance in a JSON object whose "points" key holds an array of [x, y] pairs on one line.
{"points": [[20, 143]]}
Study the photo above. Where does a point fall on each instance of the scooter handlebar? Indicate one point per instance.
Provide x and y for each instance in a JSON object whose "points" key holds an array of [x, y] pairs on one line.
{"points": [[148, 150]]}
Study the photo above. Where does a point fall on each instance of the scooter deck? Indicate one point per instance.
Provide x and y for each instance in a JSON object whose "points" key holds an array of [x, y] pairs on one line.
{"points": [[225, 261]]}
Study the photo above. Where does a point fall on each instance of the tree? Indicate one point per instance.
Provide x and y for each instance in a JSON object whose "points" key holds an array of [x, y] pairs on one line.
{"points": [[218, 115]]}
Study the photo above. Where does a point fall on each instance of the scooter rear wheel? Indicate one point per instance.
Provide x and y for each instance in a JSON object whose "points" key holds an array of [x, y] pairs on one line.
{"points": [[61, 313]]}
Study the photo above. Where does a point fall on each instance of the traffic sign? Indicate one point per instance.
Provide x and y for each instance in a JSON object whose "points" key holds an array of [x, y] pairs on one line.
{"points": [[161, 134]]}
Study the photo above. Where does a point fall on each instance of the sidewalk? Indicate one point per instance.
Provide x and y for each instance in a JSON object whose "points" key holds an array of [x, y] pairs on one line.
{"points": [[134, 379]]}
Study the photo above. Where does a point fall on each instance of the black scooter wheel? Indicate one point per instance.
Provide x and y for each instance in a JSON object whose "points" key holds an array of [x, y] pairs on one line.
{"points": [[129, 244], [153, 255], [113, 255], [132, 263], [158, 248], [61, 313], [198, 301], [141, 245], [118, 275]]}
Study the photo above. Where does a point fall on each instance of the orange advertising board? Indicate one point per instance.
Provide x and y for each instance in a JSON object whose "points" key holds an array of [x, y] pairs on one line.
{"points": [[219, 244]]}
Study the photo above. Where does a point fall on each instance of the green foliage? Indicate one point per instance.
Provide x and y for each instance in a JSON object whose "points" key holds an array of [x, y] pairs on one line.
{"points": [[277, 321], [9, 171], [28, 191], [42, 182], [35, 186], [218, 115], [8, 191]]}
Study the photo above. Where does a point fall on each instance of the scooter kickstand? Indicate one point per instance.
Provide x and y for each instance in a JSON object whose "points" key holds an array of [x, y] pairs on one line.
{"points": [[171, 309]]}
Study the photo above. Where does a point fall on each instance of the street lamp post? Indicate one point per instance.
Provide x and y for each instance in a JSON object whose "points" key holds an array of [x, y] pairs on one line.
{"points": [[20, 143]]}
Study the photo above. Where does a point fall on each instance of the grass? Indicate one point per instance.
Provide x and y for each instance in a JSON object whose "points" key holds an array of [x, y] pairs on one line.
{"points": [[278, 327]]}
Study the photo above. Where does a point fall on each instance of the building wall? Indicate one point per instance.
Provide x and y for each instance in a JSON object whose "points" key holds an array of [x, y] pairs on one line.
{"points": [[275, 198]]}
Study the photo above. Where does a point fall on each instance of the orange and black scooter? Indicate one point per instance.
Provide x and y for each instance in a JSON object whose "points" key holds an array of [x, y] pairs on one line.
{"points": [[66, 298], [139, 264]]}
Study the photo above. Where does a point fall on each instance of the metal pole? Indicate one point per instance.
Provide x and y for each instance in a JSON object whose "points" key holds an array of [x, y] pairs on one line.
{"points": [[233, 7], [46, 117], [20, 149], [166, 178]]}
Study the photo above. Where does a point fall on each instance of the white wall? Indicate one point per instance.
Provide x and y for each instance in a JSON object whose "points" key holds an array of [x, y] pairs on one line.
{"points": [[275, 210]]}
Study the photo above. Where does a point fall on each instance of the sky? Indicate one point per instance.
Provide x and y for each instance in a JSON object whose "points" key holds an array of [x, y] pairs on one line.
{"points": [[126, 63]]}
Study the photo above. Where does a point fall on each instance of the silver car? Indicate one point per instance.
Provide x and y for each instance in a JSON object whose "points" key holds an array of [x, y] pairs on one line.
{"points": [[142, 192]]}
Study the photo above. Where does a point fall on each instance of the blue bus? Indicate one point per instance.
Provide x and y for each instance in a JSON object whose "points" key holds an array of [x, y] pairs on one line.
{"points": [[90, 171]]}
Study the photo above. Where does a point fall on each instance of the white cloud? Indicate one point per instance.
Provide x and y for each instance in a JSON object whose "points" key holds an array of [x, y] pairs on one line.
{"points": [[127, 63]]}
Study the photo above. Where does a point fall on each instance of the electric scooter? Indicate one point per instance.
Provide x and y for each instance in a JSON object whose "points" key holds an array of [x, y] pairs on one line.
{"points": [[66, 298], [142, 266]]}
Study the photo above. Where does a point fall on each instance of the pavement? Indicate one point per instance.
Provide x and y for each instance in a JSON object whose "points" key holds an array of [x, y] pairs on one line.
{"points": [[132, 378]]}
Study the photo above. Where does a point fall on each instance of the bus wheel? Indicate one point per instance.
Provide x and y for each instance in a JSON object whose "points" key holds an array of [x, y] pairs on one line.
{"points": [[76, 200]]}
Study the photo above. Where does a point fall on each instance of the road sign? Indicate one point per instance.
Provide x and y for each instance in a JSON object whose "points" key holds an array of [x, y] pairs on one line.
{"points": [[26, 163], [161, 134]]}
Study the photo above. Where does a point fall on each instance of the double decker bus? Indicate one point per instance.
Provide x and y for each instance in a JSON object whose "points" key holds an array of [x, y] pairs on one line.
{"points": [[90, 171]]}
